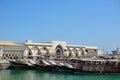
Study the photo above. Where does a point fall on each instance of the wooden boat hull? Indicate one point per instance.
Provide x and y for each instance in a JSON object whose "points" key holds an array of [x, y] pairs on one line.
{"points": [[65, 69], [46, 67], [17, 65]]}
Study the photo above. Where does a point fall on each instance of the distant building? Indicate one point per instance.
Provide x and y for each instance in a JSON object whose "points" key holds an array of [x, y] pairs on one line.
{"points": [[31, 50]]}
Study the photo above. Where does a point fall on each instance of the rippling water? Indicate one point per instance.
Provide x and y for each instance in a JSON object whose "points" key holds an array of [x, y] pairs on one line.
{"points": [[40, 75]]}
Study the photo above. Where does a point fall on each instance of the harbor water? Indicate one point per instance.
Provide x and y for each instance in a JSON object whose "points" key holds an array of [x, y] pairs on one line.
{"points": [[42, 75]]}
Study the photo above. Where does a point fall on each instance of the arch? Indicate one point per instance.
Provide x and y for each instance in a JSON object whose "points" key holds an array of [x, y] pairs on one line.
{"points": [[59, 49], [45, 51], [29, 54], [70, 52], [76, 52], [39, 51], [83, 51], [80, 51], [30, 51]]}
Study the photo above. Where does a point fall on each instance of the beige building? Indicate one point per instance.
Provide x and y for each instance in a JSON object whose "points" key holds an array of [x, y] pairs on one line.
{"points": [[54, 49]]}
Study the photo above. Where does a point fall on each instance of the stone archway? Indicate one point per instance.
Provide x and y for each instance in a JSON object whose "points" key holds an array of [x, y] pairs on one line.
{"points": [[45, 52], [81, 51], [70, 52], [59, 51], [76, 52], [29, 49], [39, 51], [36, 52], [29, 54]]}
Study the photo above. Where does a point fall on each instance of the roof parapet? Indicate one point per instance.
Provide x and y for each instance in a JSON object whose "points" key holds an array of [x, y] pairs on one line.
{"points": [[2, 42]]}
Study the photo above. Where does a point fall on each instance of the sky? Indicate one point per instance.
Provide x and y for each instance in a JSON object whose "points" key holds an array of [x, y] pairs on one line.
{"points": [[81, 22]]}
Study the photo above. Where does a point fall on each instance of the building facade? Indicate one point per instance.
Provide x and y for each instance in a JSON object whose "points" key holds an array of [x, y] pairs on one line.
{"points": [[54, 49]]}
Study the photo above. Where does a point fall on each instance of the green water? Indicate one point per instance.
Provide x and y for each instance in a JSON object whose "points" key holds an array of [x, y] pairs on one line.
{"points": [[40, 75]]}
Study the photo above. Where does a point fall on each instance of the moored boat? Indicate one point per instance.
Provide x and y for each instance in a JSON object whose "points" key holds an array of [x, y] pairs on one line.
{"points": [[43, 65], [65, 66], [19, 64], [86, 65], [96, 65]]}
